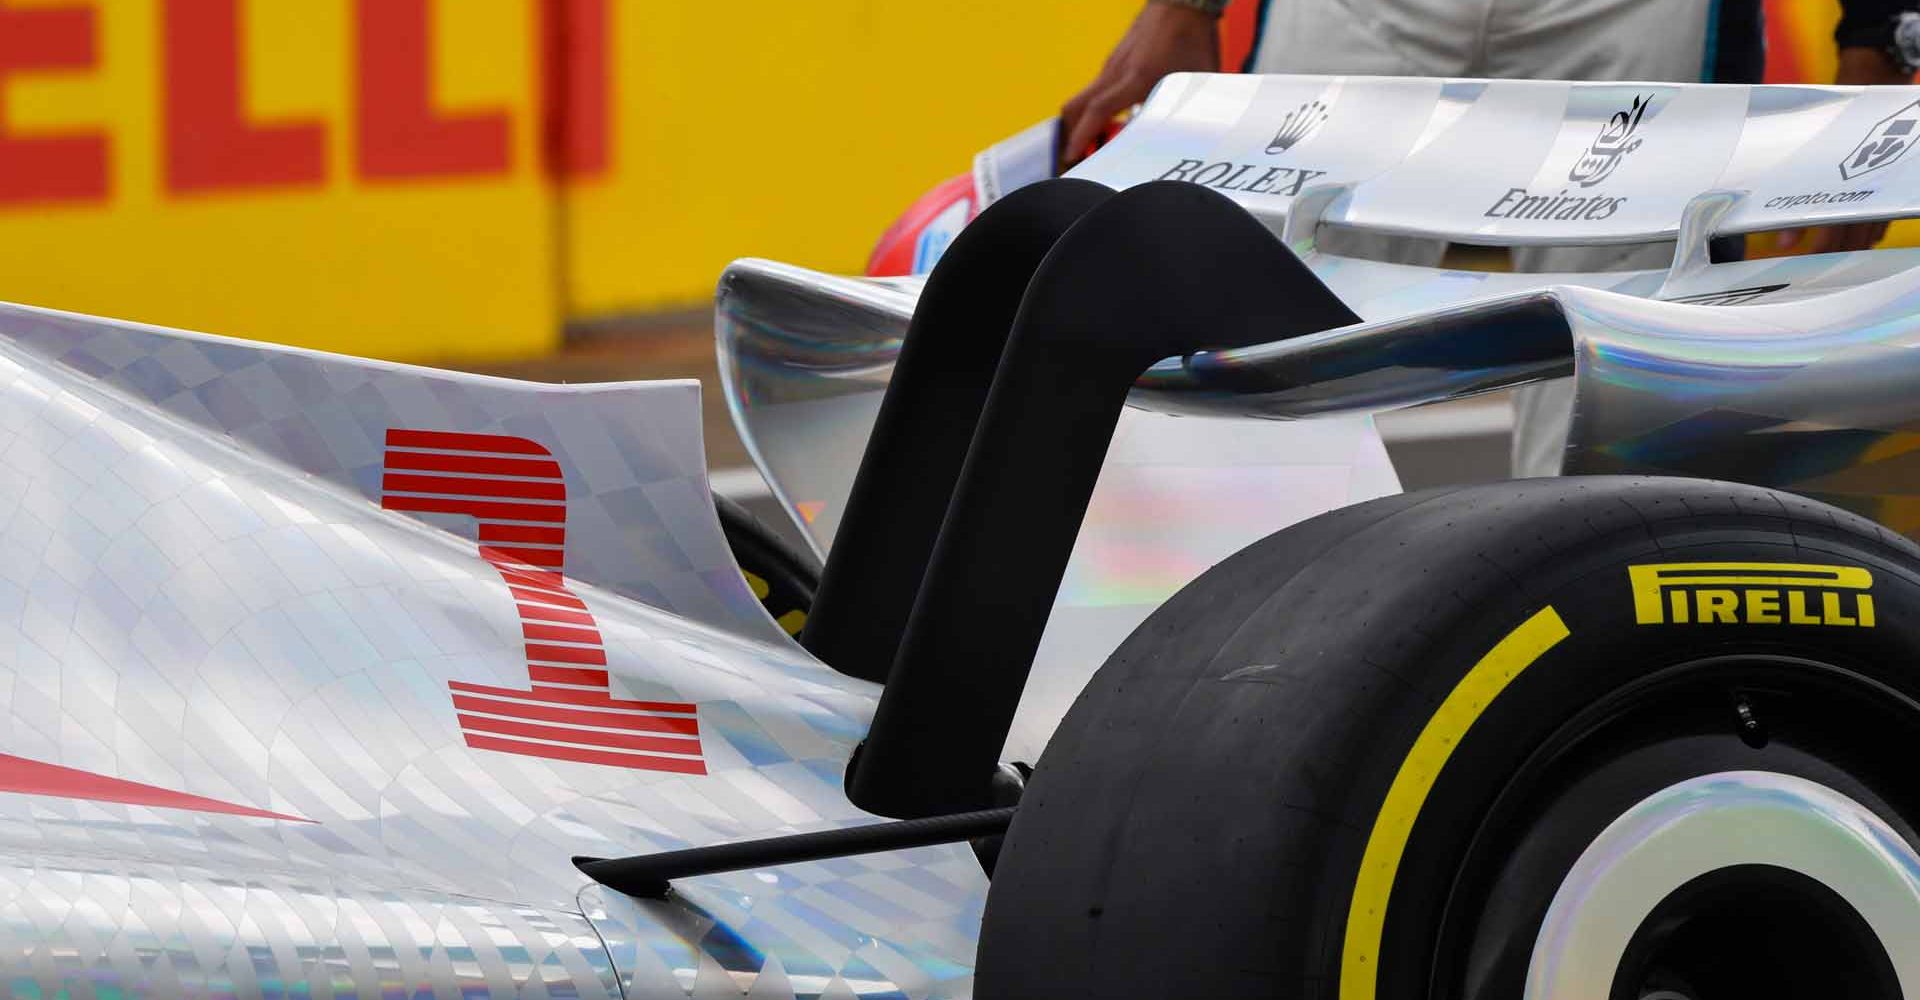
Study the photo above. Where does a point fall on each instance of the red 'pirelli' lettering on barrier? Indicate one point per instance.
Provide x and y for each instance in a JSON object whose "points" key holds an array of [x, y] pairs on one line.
{"points": [[515, 492], [62, 166], [401, 133], [576, 86], [211, 144]]}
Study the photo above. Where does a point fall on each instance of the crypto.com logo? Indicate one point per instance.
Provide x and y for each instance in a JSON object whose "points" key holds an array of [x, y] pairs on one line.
{"points": [[1889, 140]]}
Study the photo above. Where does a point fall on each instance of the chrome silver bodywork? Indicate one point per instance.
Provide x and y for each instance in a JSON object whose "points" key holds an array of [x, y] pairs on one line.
{"points": [[1439, 157], [264, 737], [1712, 822], [1808, 393], [1742, 370], [318, 671], [805, 359]]}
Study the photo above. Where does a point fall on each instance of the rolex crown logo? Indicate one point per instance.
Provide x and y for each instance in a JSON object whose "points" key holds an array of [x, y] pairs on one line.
{"points": [[1299, 123]]}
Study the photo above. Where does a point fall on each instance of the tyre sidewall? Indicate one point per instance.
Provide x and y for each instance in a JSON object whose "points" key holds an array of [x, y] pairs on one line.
{"points": [[1607, 649], [1200, 823]]}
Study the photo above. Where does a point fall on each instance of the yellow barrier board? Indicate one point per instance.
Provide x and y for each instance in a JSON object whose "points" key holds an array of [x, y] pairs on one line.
{"points": [[356, 176], [445, 179], [798, 131], [385, 176]]}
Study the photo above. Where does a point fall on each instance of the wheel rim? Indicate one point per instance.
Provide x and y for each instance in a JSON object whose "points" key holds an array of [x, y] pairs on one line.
{"points": [[1828, 724], [1786, 856]]}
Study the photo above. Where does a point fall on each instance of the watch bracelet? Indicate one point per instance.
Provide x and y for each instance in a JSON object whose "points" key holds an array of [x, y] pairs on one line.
{"points": [[1213, 7]]}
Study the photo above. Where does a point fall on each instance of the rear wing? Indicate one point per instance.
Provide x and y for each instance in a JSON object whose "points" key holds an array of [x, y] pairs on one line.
{"points": [[1513, 162], [805, 355]]}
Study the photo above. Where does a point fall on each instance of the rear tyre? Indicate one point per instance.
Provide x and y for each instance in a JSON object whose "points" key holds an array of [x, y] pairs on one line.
{"points": [[781, 575], [1376, 754]]}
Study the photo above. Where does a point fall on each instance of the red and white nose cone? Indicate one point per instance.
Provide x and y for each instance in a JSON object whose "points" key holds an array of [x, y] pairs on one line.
{"points": [[914, 243], [917, 239]]}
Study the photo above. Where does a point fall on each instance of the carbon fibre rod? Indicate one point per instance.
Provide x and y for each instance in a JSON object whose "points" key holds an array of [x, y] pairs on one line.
{"points": [[649, 875], [1161, 269], [926, 420]]}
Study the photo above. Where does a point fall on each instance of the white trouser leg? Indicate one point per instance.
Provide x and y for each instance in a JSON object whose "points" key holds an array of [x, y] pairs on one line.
{"points": [[1370, 37], [1651, 40]]}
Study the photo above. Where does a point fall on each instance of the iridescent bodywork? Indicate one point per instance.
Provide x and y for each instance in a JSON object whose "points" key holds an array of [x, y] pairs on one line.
{"points": [[1454, 158], [807, 354], [318, 671], [1707, 824], [805, 358], [235, 761]]}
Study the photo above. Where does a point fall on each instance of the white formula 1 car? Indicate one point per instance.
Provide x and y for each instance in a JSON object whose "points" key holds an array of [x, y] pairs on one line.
{"points": [[326, 677]]}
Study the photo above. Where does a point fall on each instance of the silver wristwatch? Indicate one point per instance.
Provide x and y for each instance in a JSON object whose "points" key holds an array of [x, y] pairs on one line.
{"points": [[1905, 46], [1213, 7]]}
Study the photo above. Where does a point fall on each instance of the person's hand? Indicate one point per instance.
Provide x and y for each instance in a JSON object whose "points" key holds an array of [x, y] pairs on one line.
{"points": [[1859, 67], [1164, 38], [1862, 66], [1826, 239]]}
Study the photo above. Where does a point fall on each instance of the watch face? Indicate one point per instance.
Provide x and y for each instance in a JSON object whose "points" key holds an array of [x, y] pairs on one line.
{"points": [[1906, 39]]}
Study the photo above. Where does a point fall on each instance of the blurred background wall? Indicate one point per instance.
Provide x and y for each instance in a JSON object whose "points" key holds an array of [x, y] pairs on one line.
{"points": [[457, 178], [465, 179]]}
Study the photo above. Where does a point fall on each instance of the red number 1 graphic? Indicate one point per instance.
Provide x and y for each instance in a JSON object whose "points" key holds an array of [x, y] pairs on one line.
{"points": [[513, 488]]}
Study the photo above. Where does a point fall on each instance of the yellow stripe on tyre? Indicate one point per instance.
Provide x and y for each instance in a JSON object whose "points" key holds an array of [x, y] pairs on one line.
{"points": [[1367, 914]]}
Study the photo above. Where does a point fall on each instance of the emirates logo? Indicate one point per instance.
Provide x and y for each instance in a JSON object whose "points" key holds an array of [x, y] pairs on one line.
{"points": [[1299, 123], [1615, 141]]}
